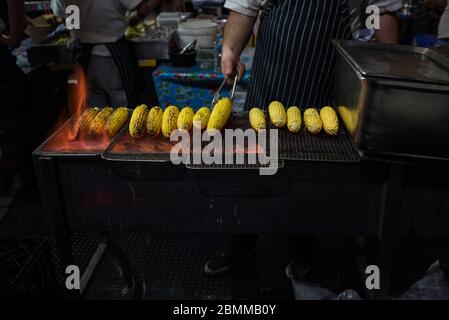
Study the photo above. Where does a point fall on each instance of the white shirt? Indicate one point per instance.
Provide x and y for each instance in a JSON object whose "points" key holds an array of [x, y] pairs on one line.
{"points": [[252, 8], [358, 8], [102, 21], [443, 29], [247, 7]]}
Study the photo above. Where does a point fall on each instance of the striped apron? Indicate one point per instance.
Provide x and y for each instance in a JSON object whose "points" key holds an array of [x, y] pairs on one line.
{"points": [[122, 54], [294, 59]]}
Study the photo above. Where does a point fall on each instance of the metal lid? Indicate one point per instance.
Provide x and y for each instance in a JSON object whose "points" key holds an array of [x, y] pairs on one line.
{"points": [[396, 61]]}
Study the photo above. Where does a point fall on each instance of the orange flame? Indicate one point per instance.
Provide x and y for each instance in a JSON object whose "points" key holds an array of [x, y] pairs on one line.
{"points": [[66, 140], [77, 95]]}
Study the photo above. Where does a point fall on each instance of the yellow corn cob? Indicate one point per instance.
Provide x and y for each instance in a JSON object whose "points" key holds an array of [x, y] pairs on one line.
{"points": [[201, 118], [154, 121], [277, 113], [97, 126], [116, 121], [169, 120], [82, 125], [294, 119], [257, 119], [348, 118], [330, 120], [312, 121], [137, 122], [220, 115], [185, 119]]}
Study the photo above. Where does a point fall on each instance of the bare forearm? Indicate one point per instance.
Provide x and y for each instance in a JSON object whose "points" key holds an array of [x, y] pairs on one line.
{"points": [[16, 13], [389, 29], [237, 32]]}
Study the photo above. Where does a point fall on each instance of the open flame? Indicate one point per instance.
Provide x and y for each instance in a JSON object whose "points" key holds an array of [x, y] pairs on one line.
{"points": [[65, 139], [77, 95]]}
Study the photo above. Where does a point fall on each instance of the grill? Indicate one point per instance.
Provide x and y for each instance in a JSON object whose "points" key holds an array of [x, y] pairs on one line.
{"points": [[300, 147], [323, 187]]}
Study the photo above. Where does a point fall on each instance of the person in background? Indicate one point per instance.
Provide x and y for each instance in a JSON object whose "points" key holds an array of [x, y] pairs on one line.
{"points": [[108, 59], [389, 22], [15, 93], [443, 28]]}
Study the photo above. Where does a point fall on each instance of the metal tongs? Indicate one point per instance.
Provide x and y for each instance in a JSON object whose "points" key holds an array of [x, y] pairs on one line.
{"points": [[188, 47], [217, 93]]}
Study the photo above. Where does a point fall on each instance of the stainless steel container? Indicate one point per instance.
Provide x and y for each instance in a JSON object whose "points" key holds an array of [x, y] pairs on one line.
{"points": [[156, 44], [394, 100]]}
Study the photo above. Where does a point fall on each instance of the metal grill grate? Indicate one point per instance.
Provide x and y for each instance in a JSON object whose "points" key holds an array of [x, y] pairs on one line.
{"points": [[152, 149], [60, 143], [301, 146]]}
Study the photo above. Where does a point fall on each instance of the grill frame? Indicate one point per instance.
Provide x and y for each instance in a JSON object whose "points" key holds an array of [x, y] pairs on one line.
{"points": [[45, 149]]}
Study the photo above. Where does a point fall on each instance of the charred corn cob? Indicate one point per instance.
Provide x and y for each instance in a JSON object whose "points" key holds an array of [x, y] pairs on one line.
{"points": [[97, 126], [137, 122], [201, 118], [116, 121], [330, 120], [257, 119], [312, 121], [82, 125], [154, 121], [169, 120], [220, 115], [185, 119], [294, 119], [277, 113]]}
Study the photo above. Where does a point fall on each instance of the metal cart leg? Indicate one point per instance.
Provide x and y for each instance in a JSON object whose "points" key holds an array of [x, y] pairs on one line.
{"points": [[384, 246], [50, 189], [390, 227]]}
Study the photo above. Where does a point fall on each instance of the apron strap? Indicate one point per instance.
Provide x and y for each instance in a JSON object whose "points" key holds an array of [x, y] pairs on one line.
{"points": [[124, 59]]}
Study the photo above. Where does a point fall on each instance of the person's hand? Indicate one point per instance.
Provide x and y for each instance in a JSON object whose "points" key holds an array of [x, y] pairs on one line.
{"points": [[231, 65]]}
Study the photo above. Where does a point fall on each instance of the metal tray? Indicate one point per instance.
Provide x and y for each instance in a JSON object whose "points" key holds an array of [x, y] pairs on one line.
{"points": [[396, 61], [58, 145], [398, 109]]}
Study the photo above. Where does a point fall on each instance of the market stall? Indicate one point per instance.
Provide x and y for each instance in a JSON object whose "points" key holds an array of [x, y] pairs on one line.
{"points": [[190, 156]]}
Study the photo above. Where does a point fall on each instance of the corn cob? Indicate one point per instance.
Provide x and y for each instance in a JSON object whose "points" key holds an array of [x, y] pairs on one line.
{"points": [[116, 121], [312, 121], [137, 122], [185, 119], [348, 118], [257, 119], [220, 115], [330, 120], [294, 119], [277, 113], [82, 125], [97, 126], [169, 120], [201, 118], [154, 121]]}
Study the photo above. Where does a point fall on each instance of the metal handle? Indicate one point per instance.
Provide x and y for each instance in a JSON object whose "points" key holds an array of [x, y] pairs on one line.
{"points": [[189, 46], [217, 93]]}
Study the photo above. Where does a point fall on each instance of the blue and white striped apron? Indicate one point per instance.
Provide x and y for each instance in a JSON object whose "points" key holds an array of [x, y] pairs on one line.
{"points": [[294, 59], [123, 55]]}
